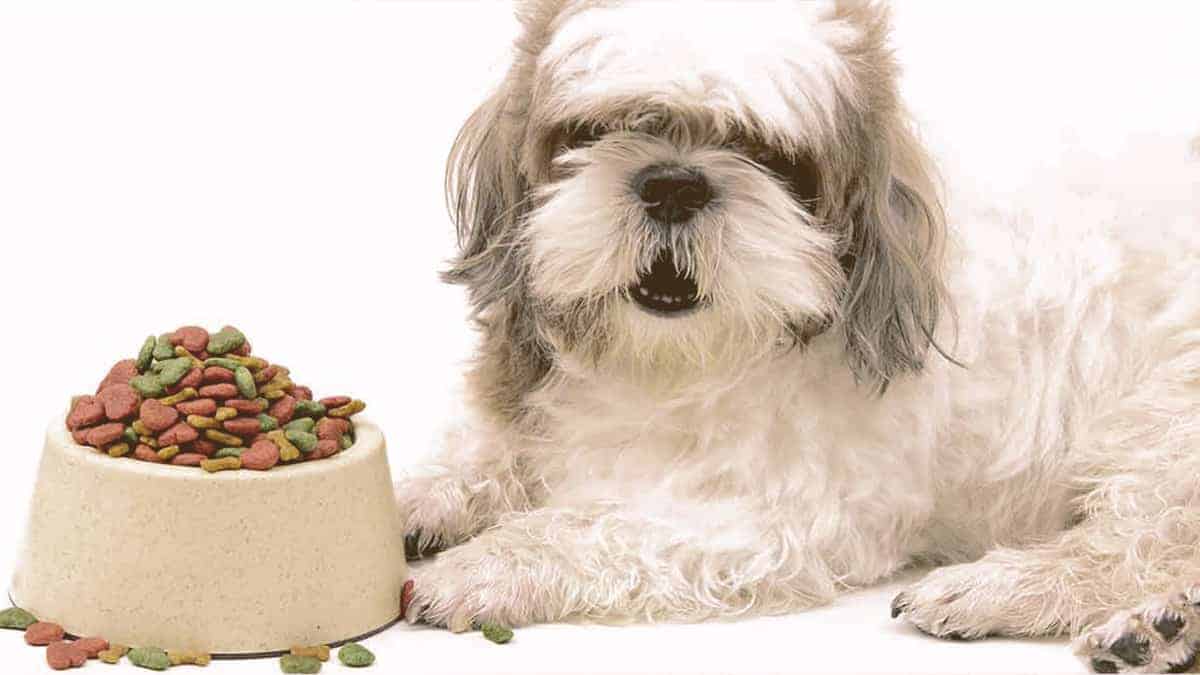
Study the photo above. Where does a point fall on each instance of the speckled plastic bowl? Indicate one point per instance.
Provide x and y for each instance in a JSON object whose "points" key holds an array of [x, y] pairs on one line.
{"points": [[238, 563]]}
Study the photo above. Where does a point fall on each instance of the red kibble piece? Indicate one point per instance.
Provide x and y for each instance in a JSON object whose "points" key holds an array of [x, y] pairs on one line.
{"points": [[283, 409], [193, 379], [121, 373], [120, 401], [156, 416], [406, 593], [266, 374], [193, 338], [332, 428], [205, 407], [92, 646], [43, 633], [218, 391], [335, 401], [188, 459], [200, 446], [63, 655], [86, 412], [244, 350], [245, 406], [302, 393], [217, 375], [325, 449], [181, 433], [105, 434], [146, 454], [242, 426], [262, 455]]}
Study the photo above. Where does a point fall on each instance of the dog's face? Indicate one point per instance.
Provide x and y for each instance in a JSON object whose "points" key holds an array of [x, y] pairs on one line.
{"points": [[692, 184]]}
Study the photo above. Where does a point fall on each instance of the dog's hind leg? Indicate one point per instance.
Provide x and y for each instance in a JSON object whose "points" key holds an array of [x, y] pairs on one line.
{"points": [[1081, 578]]}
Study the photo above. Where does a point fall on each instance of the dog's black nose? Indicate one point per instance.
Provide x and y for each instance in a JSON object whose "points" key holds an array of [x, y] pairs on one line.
{"points": [[672, 194]]}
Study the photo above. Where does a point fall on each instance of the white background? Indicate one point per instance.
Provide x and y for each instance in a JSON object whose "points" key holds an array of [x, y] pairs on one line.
{"points": [[278, 166]]}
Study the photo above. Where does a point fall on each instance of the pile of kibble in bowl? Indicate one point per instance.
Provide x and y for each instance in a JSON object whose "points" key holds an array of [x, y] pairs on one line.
{"points": [[194, 398]]}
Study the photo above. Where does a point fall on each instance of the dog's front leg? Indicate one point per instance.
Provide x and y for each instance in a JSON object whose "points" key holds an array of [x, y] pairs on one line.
{"points": [[612, 563], [474, 478]]}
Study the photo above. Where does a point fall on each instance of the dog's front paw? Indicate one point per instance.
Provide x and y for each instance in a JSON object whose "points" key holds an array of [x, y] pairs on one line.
{"points": [[437, 513], [1162, 635], [959, 602], [471, 585]]}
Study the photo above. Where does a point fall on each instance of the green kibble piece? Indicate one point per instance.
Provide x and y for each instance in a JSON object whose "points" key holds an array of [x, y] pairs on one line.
{"points": [[163, 349], [130, 436], [148, 385], [244, 380], [16, 619], [346, 441], [312, 409], [225, 341], [146, 354], [173, 370], [496, 632], [302, 439], [267, 422], [304, 424], [290, 663], [151, 658], [355, 655], [228, 452], [227, 364]]}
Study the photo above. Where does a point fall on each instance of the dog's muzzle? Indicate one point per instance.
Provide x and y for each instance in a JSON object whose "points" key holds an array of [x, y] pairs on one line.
{"points": [[665, 290]]}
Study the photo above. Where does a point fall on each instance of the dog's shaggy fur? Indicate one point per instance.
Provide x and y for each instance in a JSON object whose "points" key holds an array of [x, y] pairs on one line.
{"points": [[869, 378]]}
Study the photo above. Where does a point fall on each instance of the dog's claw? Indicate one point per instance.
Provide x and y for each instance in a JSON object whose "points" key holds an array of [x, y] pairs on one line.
{"points": [[899, 604]]}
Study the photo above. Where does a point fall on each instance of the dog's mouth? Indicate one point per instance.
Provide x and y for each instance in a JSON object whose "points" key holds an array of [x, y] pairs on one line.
{"points": [[665, 290]]}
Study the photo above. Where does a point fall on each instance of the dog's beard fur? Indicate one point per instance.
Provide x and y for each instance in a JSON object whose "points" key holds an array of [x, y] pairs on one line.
{"points": [[761, 262]]}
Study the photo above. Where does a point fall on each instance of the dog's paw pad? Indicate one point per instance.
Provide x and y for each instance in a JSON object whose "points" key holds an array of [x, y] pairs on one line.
{"points": [[1161, 635]]}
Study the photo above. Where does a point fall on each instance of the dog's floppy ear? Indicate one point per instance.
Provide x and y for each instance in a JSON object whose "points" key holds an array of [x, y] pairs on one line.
{"points": [[485, 192], [894, 261], [895, 225]]}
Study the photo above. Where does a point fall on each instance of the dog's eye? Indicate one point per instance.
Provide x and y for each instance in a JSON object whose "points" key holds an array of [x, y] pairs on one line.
{"points": [[580, 135], [800, 173]]}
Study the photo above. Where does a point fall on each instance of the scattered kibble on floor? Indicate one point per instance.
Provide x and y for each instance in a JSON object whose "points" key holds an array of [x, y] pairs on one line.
{"points": [[355, 655], [497, 633]]}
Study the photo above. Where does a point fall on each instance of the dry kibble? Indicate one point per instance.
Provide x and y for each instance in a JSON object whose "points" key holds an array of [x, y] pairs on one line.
{"points": [[189, 658], [16, 618], [62, 655], [195, 398], [317, 651], [352, 408], [261, 456], [113, 654], [92, 646], [222, 464], [151, 658], [290, 663], [355, 655], [43, 633], [497, 633]]}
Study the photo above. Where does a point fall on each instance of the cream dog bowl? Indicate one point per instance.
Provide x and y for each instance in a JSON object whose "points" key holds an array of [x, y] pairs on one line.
{"points": [[233, 563]]}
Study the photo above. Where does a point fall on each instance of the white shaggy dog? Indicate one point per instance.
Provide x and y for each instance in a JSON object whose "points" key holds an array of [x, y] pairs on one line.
{"points": [[738, 356]]}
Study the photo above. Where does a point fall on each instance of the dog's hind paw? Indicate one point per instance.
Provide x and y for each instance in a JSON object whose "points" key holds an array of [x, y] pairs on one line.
{"points": [[1162, 635]]}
